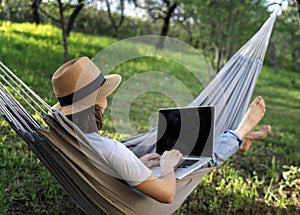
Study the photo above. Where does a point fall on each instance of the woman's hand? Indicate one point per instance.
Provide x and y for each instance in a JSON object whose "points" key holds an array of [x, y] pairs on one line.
{"points": [[162, 189], [150, 159], [169, 160]]}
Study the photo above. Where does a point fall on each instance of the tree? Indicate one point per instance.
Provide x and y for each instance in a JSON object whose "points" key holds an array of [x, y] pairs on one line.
{"points": [[5, 12], [160, 9], [15, 10], [115, 24], [63, 8], [74, 14], [166, 19], [35, 11], [285, 39]]}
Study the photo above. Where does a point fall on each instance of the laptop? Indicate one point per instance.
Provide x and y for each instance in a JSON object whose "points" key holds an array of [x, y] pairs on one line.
{"points": [[189, 130]]}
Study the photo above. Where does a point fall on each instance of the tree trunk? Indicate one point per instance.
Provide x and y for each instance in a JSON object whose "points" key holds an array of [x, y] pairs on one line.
{"points": [[35, 14], [294, 65], [115, 25], [64, 33], [6, 10], [165, 28], [298, 9], [272, 56], [187, 27]]}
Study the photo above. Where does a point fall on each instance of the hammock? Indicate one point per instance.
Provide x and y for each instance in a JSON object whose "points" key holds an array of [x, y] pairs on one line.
{"points": [[62, 147]]}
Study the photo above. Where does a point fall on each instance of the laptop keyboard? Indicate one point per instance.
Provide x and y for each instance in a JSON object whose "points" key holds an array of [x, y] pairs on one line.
{"points": [[186, 163]]}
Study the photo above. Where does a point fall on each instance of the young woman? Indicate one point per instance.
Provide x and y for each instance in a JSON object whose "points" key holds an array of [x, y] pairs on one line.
{"points": [[82, 89]]}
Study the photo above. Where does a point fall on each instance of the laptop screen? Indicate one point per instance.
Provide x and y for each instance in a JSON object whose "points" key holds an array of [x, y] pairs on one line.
{"points": [[186, 129]]}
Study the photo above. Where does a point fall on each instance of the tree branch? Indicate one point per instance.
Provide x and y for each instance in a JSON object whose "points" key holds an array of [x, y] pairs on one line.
{"points": [[115, 24], [73, 16], [49, 15]]}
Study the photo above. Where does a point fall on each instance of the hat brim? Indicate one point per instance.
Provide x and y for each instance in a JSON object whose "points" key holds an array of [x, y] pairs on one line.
{"points": [[111, 83]]}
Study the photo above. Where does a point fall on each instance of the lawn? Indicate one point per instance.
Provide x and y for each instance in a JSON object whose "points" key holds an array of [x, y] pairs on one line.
{"points": [[265, 180]]}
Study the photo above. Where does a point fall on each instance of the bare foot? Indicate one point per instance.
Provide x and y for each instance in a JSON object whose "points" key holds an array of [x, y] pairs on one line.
{"points": [[254, 135], [253, 115]]}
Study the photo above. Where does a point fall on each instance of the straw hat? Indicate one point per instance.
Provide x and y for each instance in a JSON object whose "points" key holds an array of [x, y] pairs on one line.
{"points": [[79, 84]]}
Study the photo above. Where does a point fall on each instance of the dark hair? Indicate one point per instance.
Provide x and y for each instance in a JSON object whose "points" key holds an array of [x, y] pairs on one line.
{"points": [[88, 120]]}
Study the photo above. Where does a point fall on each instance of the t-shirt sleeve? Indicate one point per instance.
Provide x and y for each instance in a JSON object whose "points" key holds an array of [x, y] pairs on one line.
{"points": [[128, 166]]}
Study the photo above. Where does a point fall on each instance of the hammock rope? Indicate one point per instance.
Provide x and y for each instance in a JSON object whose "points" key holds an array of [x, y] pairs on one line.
{"points": [[63, 148]]}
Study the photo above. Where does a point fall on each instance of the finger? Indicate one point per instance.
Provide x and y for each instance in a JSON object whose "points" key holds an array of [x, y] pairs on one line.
{"points": [[176, 152], [154, 156], [180, 155], [154, 162]]}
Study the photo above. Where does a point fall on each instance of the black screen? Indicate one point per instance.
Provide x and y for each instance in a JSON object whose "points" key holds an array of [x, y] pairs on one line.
{"points": [[185, 129]]}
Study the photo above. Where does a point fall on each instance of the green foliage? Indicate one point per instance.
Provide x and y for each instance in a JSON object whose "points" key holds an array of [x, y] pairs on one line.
{"points": [[217, 27], [15, 10], [220, 27], [263, 181]]}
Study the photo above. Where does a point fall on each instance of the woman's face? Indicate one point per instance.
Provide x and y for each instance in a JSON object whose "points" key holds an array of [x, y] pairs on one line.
{"points": [[102, 104]]}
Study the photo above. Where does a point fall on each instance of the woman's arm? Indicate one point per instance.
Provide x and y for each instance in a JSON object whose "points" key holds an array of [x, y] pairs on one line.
{"points": [[162, 189]]}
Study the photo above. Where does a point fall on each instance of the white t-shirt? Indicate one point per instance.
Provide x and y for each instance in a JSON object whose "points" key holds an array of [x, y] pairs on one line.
{"points": [[118, 161]]}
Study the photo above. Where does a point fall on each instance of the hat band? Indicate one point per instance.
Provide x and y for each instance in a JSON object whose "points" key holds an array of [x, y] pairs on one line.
{"points": [[83, 92]]}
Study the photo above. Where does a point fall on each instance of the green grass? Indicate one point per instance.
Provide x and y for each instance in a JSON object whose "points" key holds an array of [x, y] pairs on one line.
{"points": [[263, 181]]}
